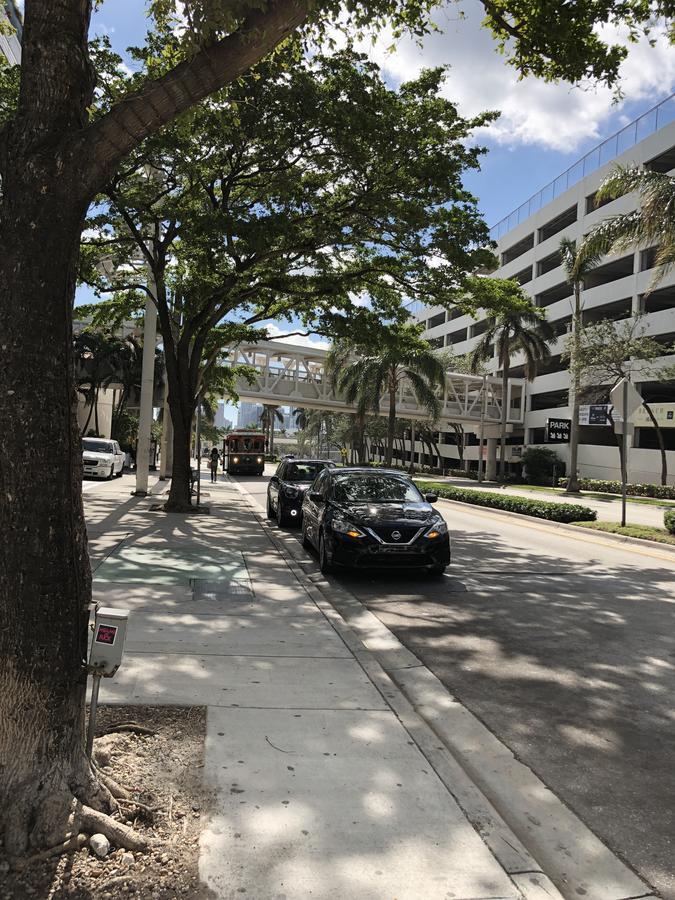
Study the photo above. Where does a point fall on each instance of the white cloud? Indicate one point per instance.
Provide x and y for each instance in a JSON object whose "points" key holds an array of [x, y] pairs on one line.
{"points": [[312, 340], [554, 116]]}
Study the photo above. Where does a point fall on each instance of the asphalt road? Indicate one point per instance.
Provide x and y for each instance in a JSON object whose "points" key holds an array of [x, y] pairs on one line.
{"points": [[565, 647]]}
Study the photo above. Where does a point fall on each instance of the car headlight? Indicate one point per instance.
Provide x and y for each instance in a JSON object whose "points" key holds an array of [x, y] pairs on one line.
{"points": [[438, 529], [290, 491], [342, 526], [260, 459], [236, 459]]}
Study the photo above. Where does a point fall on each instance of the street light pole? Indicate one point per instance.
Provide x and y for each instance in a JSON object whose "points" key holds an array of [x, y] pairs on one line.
{"points": [[147, 390]]}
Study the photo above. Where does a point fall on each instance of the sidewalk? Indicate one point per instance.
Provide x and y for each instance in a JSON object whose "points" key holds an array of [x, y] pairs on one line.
{"points": [[321, 791], [608, 510]]}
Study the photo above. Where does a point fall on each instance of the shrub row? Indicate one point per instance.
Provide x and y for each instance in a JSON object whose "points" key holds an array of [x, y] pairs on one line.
{"points": [[669, 520], [542, 509], [662, 491]]}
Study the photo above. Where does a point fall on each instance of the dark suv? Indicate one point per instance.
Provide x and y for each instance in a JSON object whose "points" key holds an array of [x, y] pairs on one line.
{"points": [[286, 488], [373, 517]]}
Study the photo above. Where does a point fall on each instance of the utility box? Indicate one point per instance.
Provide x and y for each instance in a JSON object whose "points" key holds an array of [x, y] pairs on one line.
{"points": [[107, 646]]}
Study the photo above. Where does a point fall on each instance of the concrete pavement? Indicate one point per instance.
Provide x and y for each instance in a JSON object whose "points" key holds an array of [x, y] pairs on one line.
{"points": [[321, 790]]}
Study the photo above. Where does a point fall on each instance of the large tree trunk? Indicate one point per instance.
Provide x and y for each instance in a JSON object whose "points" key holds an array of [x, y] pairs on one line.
{"points": [[182, 406], [45, 580]]}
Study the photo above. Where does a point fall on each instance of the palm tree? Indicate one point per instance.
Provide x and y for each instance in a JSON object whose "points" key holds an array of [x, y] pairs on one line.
{"points": [[268, 416], [577, 264], [365, 379], [510, 332], [337, 366], [651, 225]]}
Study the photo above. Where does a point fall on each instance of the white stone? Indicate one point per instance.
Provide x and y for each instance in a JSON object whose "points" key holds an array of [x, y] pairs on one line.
{"points": [[100, 844]]}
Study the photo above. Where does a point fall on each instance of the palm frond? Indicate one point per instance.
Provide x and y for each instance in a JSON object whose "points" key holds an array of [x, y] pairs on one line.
{"points": [[424, 392]]}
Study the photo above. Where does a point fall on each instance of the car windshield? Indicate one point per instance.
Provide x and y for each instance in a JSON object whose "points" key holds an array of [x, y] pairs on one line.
{"points": [[303, 471], [97, 446], [374, 488]]}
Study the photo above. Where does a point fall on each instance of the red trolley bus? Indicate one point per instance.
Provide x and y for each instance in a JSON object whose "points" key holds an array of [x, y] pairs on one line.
{"points": [[244, 453]]}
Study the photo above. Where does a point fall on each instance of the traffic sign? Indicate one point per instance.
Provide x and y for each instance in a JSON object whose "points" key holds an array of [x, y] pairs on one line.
{"points": [[626, 393], [595, 414]]}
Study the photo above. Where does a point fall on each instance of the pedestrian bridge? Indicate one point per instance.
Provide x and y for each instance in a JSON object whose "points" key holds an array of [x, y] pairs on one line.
{"points": [[295, 375]]}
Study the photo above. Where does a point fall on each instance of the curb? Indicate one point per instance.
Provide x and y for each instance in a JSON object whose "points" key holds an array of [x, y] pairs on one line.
{"points": [[535, 837]]}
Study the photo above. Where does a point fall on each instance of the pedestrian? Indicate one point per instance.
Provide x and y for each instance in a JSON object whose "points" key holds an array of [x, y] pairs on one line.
{"points": [[215, 456]]}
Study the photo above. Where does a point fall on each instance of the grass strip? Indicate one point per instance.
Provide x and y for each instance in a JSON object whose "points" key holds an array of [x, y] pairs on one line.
{"points": [[642, 532]]}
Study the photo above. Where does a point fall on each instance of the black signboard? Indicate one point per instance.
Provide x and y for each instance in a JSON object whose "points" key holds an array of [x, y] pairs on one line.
{"points": [[597, 415], [558, 431]]}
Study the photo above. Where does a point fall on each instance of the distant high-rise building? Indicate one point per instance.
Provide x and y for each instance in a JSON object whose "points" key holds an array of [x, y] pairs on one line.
{"points": [[249, 414], [219, 420], [10, 44]]}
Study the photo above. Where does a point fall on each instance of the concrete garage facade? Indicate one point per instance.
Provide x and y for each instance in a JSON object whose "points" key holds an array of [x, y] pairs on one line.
{"points": [[527, 247]]}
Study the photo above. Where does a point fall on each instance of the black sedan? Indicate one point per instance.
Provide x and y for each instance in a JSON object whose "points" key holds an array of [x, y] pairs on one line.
{"points": [[287, 487], [373, 518]]}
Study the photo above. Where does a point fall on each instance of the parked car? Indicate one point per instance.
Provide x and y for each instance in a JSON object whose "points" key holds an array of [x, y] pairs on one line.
{"points": [[102, 458], [287, 487], [362, 517]]}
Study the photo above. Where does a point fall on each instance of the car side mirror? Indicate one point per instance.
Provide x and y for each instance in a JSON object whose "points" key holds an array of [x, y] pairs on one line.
{"points": [[431, 498], [274, 479], [316, 496]]}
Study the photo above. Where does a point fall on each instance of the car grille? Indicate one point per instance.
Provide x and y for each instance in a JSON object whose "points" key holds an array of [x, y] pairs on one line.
{"points": [[407, 533], [90, 462]]}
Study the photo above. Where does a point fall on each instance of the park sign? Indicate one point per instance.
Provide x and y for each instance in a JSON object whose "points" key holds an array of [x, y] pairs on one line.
{"points": [[558, 431]]}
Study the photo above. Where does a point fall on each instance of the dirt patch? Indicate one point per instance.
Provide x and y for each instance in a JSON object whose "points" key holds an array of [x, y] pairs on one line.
{"points": [[163, 771]]}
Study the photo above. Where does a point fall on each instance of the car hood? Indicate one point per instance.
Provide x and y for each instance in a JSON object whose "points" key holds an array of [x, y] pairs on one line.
{"points": [[93, 454], [387, 513]]}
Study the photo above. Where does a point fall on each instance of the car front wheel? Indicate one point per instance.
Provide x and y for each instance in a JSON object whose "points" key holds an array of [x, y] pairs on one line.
{"points": [[306, 543], [324, 563], [437, 570], [112, 472], [270, 510], [282, 516]]}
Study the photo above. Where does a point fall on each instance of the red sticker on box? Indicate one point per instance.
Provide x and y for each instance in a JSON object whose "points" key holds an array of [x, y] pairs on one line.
{"points": [[105, 634]]}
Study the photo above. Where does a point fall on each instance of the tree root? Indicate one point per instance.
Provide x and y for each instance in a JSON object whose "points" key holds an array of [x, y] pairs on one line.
{"points": [[94, 822], [148, 810], [117, 791], [130, 726], [75, 842]]}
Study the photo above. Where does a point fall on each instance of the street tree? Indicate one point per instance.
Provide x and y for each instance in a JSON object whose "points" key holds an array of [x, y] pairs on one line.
{"points": [[608, 351], [57, 152], [517, 328], [240, 217], [577, 263]]}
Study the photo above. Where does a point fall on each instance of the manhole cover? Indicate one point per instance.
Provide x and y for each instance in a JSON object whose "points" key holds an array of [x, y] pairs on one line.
{"points": [[219, 590]]}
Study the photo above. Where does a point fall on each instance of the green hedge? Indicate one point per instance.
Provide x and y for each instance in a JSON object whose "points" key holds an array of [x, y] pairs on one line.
{"points": [[661, 491], [669, 520], [542, 509]]}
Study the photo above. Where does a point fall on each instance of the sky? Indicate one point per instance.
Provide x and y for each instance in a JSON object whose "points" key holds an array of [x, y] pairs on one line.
{"points": [[543, 128]]}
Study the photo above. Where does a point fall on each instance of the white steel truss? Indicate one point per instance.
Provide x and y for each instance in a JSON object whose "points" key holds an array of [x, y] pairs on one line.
{"points": [[294, 375]]}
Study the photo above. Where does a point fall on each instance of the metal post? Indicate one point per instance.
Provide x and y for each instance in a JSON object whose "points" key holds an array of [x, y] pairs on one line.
{"points": [[624, 473], [482, 429], [147, 390], [198, 444], [93, 708]]}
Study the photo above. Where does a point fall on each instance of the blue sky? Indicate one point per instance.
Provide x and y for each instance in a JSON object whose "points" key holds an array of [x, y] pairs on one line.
{"points": [[543, 128]]}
